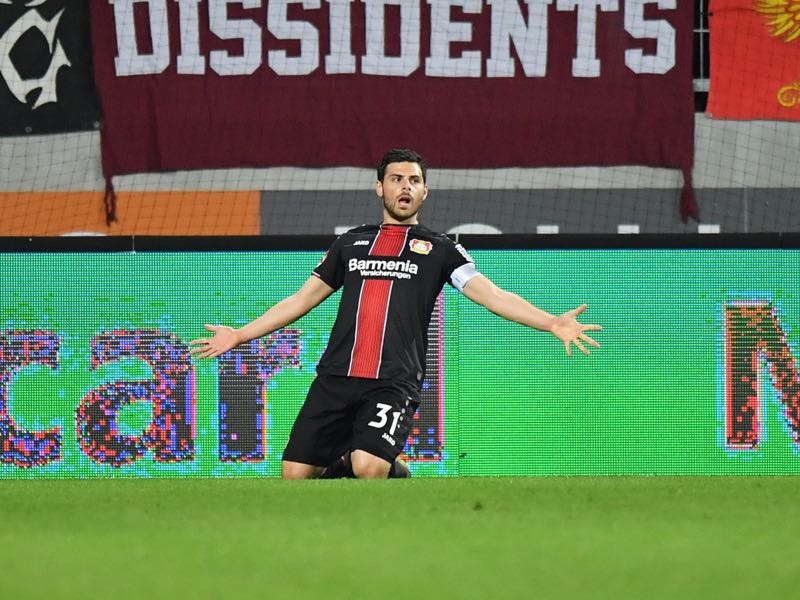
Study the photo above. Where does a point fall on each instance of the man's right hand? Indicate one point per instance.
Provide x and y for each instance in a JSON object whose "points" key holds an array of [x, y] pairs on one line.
{"points": [[224, 339]]}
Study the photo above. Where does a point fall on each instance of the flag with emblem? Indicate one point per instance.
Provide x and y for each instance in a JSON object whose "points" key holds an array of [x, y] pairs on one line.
{"points": [[755, 59], [46, 78]]}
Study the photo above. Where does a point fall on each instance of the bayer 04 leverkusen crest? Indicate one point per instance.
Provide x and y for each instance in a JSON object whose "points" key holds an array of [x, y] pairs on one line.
{"points": [[420, 246], [46, 79]]}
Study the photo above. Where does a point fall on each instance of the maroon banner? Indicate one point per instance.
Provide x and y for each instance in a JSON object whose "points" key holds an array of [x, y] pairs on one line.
{"points": [[189, 84]]}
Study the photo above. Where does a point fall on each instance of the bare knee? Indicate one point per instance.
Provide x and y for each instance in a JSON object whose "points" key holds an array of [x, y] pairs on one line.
{"points": [[369, 466], [296, 470]]}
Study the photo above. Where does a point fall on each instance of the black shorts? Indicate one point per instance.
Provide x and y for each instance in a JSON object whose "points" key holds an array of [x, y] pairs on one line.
{"points": [[351, 413]]}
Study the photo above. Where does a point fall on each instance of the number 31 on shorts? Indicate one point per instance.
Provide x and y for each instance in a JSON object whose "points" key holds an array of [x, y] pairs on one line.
{"points": [[383, 418]]}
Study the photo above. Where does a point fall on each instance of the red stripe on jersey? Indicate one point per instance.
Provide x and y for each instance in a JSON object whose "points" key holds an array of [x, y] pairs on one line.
{"points": [[389, 241], [373, 307]]}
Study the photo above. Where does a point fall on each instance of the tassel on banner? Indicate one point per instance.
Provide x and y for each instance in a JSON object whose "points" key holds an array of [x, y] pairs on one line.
{"points": [[688, 200], [110, 201]]}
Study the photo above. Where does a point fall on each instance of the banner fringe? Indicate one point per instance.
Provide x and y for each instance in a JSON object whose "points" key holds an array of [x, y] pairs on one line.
{"points": [[110, 202]]}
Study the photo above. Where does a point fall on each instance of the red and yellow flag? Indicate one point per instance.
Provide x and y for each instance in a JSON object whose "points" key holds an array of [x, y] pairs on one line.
{"points": [[755, 59]]}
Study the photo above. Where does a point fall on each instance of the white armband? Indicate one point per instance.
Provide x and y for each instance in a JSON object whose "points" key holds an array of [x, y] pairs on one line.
{"points": [[462, 275]]}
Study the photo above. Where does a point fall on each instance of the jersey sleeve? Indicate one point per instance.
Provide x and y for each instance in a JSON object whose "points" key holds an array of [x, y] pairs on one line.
{"points": [[459, 266], [331, 268]]}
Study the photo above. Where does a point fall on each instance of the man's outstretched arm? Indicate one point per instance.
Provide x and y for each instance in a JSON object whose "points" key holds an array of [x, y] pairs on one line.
{"points": [[288, 310], [512, 307]]}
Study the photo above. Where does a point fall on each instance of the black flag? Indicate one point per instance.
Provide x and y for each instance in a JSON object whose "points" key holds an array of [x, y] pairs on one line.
{"points": [[46, 78]]}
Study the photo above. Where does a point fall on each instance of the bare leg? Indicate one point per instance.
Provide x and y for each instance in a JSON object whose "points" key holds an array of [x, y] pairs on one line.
{"points": [[342, 467], [296, 470], [369, 466]]}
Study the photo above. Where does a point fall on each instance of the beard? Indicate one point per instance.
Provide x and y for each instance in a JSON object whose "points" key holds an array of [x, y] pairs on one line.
{"points": [[392, 213]]}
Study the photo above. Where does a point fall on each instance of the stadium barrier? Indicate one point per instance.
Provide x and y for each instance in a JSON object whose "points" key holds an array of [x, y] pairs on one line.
{"points": [[697, 373]]}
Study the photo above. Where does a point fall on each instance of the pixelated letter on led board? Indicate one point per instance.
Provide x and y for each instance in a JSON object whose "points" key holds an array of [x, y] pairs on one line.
{"points": [[243, 376], [170, 435], [19, 447], [754, 335]]}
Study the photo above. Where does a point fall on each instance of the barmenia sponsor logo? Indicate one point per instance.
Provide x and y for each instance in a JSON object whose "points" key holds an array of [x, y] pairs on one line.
{"points": [[399, 269]]}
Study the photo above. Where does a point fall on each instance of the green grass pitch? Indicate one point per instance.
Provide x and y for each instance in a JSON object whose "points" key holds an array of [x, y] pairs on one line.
{"points": [[700, 537]]}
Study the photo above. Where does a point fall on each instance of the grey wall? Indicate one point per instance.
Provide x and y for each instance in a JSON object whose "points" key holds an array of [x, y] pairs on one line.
{"points": [[522, 211]]}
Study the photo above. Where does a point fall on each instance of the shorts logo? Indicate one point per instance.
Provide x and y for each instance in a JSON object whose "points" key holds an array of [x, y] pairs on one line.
{"points": [[361, 243], [420, 246], [389, 439]]}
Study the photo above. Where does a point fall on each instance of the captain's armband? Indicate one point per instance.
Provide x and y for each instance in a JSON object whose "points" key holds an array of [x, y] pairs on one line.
{"points": [[462, 275]]}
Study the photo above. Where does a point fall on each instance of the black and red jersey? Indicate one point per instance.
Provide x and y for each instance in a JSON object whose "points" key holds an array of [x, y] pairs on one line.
{"points": [[391, 276]]}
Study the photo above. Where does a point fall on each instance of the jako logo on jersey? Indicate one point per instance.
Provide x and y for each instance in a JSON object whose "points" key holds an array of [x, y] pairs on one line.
{"points": [[400, 269], [420, 246], [361, 243]]}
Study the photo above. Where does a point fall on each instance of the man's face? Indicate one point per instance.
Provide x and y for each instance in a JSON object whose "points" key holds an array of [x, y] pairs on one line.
{"points": [[403, 191]]}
